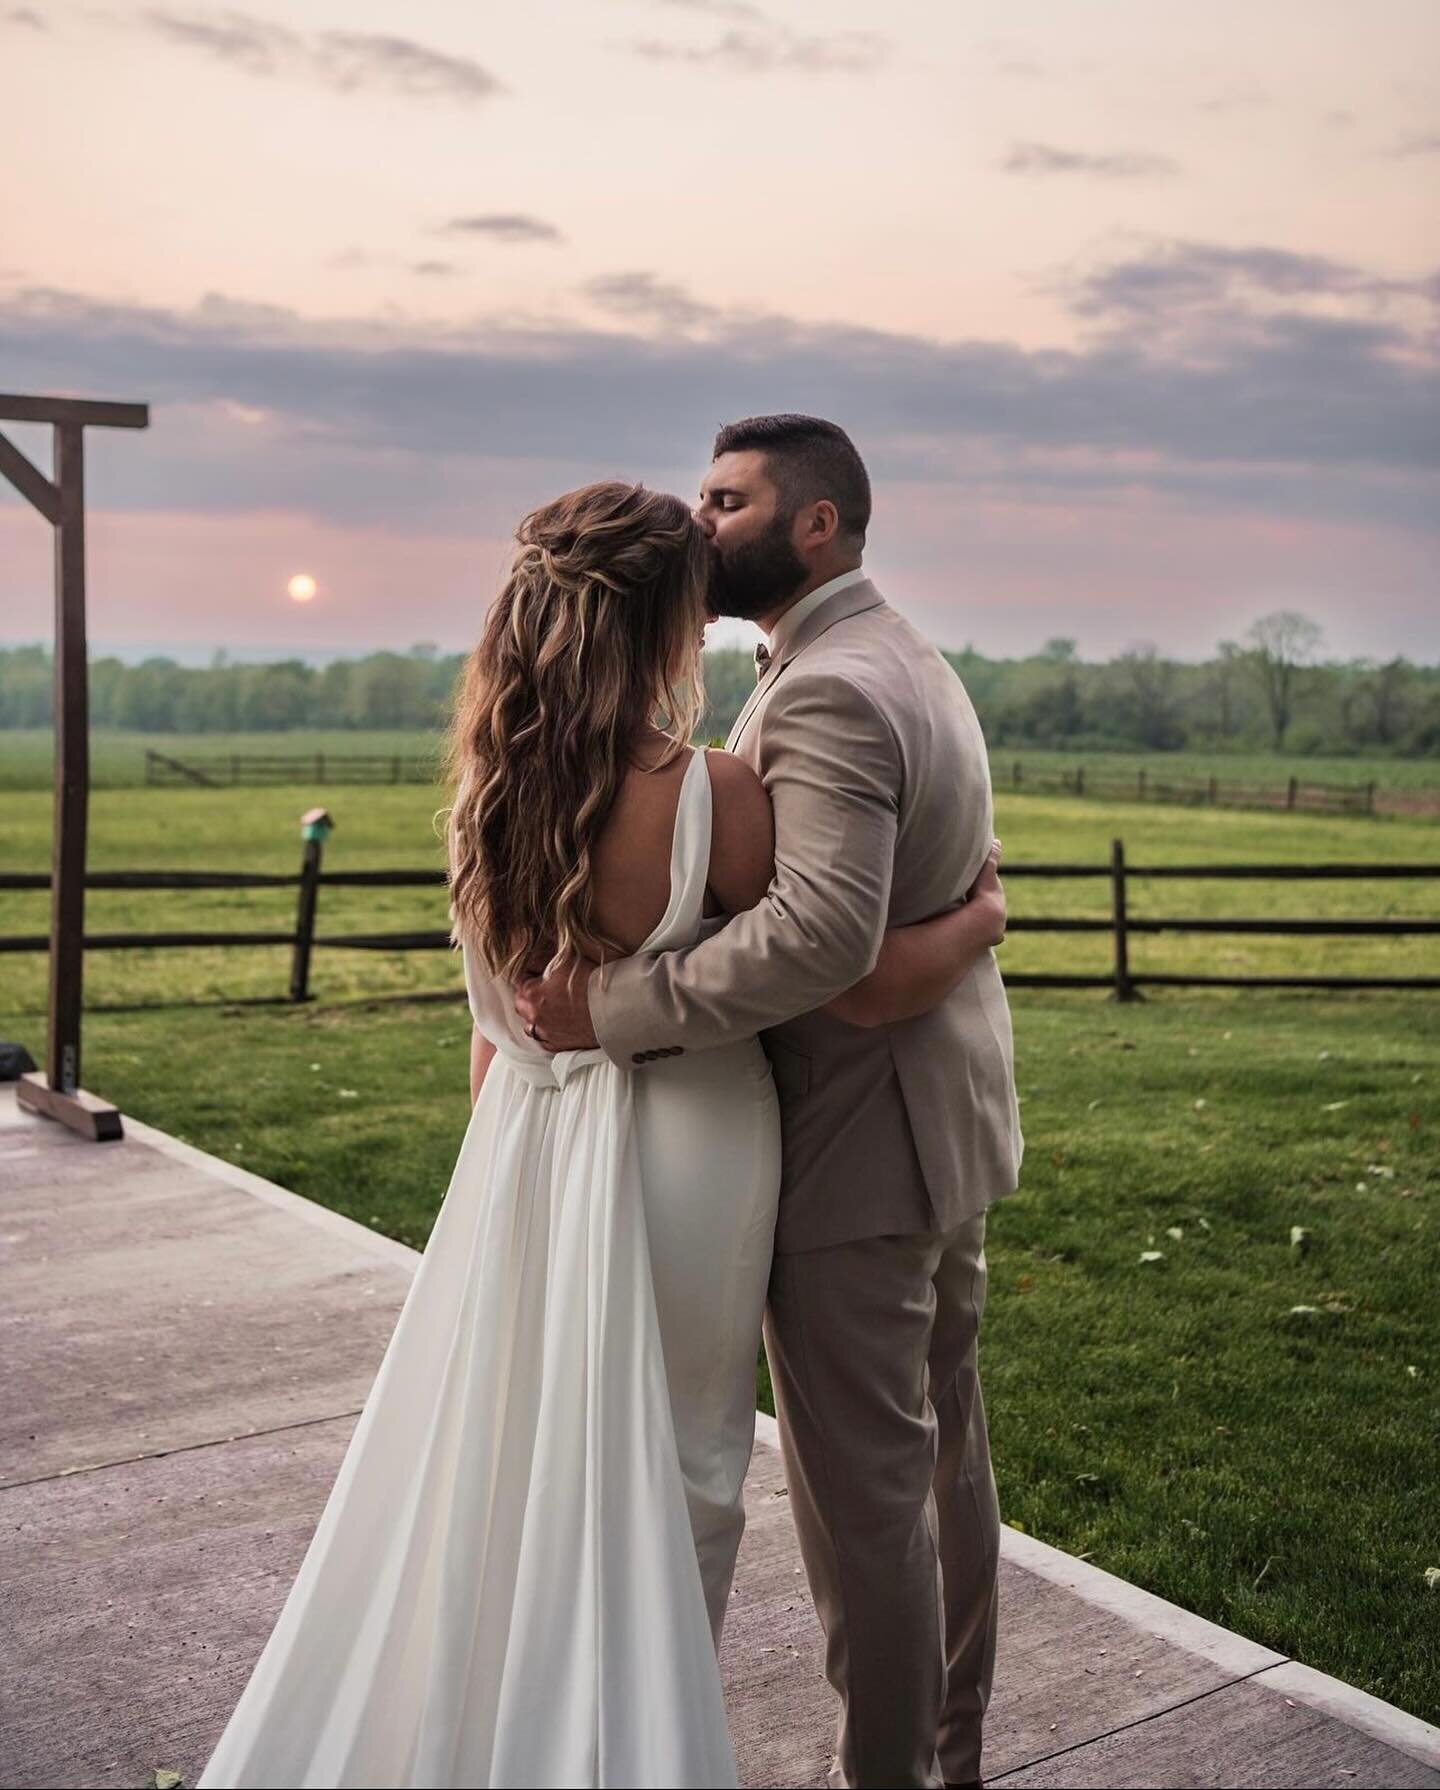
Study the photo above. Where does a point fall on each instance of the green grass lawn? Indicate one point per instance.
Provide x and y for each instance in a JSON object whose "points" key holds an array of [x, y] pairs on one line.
{"points": [[1177, 1420], [1246, 1425]]}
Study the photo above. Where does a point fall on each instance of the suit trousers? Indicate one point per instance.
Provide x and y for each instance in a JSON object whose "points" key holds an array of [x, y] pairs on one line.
{"points": [[873, 1355]]}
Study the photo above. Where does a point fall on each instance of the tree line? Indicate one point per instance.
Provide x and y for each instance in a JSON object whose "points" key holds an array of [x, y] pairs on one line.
{"points": [[1271, 688]]}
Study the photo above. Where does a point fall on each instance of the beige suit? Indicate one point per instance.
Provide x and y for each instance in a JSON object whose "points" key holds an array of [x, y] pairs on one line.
{"points": [[896, 1140]]}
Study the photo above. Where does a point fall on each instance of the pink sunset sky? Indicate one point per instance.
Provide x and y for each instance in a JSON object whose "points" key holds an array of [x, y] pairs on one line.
{"points": [[1131, 307]]}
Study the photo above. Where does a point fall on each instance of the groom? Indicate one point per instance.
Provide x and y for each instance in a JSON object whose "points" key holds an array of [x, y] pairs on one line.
{"points": [[896, 1139]]}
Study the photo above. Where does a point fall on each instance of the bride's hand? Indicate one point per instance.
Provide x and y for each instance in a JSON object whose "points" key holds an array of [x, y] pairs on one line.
{"points": [[986, 897]]}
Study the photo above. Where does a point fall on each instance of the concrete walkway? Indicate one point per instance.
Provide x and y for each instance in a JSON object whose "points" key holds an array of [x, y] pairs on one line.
{"points": [[185, 1348]]}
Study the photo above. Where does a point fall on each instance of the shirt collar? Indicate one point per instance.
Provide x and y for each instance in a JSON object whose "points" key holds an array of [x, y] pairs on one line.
{"points": [[789, 624]]}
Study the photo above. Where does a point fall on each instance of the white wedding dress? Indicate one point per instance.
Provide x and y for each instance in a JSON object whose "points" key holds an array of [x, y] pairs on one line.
{"points": [[521, 1572]]}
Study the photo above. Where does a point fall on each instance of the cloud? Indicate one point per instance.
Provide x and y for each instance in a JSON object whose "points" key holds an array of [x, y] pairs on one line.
{"points": [[644, 298], [716, 9], [1249, 98], [23, 15], [1295, 414], [434, 269], [344, 61], [757, 44], [1175, 279], [1046, 158], [1429, 144], [503, 226]]}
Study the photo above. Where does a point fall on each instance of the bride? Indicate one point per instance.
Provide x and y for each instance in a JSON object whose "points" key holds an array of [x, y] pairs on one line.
{"points": [[522, 1571]]}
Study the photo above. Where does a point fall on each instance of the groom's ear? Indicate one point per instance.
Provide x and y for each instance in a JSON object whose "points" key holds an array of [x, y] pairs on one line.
{"points": [[819, 523]]}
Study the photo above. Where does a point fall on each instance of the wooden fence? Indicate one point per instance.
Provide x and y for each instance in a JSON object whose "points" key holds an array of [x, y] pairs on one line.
{"points": [[226, 769], [1124, 982], [1294, 796]]}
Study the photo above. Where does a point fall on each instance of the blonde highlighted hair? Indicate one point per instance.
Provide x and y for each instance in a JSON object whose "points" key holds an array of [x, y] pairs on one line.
{"points": [[595, 636]]}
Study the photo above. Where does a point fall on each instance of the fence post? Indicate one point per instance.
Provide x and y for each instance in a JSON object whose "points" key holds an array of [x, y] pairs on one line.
{"points": [[1291, 792], [1080, 780], [1140, 784], [1369, 798], [1214, 791], [315, 824], [1125, 989], [1015, 775]]}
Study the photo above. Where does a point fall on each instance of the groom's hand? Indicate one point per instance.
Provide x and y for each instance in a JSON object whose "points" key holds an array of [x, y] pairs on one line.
{"points": [[555, 1009], [986, 898]]}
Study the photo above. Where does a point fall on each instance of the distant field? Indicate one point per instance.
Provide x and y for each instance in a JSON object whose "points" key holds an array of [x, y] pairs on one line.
{"points": [[118, 759], [1266, 768], [258, 829]]}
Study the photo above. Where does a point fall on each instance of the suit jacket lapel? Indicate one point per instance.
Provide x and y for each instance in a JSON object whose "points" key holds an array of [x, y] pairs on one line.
{"points": [[853, 601]]}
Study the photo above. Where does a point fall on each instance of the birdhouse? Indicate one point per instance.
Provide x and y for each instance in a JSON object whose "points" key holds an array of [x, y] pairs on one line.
{"points": [[315, 823]]}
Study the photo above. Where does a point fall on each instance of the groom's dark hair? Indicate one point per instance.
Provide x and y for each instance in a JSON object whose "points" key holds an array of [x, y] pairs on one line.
{"points": [[807, 459]]}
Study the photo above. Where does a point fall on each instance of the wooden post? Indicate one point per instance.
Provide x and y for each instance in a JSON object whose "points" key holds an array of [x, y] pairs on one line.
{"points": [[1214, 791], [1369, 798], [1292, 791], [72, 767], [60, 499], [1080, 780], [1140, 786], [315, 825], [1125, 989]]}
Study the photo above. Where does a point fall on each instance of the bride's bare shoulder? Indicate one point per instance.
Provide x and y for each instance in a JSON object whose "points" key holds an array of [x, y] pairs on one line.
{"points": [[742, 835]]}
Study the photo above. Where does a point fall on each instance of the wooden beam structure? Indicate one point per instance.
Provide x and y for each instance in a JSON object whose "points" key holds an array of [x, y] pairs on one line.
{"points": [[60, 499]]}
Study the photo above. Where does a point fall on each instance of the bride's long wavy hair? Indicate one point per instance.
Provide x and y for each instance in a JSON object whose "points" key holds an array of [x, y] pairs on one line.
{"points": [[595, 636]]}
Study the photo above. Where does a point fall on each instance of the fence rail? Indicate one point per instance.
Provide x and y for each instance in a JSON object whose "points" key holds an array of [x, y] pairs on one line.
{"points": [[1125, 982], [1294, 796], [227, 769]]}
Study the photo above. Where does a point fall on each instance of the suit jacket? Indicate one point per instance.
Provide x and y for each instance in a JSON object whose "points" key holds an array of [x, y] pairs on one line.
{"points": [[877, 770]]}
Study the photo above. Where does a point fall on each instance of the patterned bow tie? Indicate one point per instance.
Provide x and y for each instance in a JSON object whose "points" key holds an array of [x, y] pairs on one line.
{"points": [[762, 660]]}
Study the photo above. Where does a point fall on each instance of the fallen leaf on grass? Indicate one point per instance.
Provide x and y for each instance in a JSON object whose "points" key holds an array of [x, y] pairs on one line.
{"points": [[1174, 1231], [1093, 1104], [1200, 1106], [1333, 1106], [1304, 1311], [1299, 1238], [1152, 1255], [1432, 1577], [349, 1094]]}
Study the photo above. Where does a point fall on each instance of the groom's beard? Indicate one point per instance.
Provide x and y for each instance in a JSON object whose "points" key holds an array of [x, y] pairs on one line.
{"points": [[757, 576]]}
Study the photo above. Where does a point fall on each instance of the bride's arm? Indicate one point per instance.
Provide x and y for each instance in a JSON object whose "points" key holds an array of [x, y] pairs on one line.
{"points": [[919, 965], [482, 1055]]}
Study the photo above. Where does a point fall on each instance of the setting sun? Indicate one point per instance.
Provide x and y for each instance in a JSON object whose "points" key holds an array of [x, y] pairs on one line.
{"points": [[301, 587]]}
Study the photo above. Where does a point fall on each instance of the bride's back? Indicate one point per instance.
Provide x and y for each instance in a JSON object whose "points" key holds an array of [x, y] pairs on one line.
{"points": [[630, 862]]}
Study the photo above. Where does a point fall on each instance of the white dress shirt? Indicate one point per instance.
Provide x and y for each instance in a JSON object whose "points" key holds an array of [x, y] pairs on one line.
{"points": [[785, 629]]}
